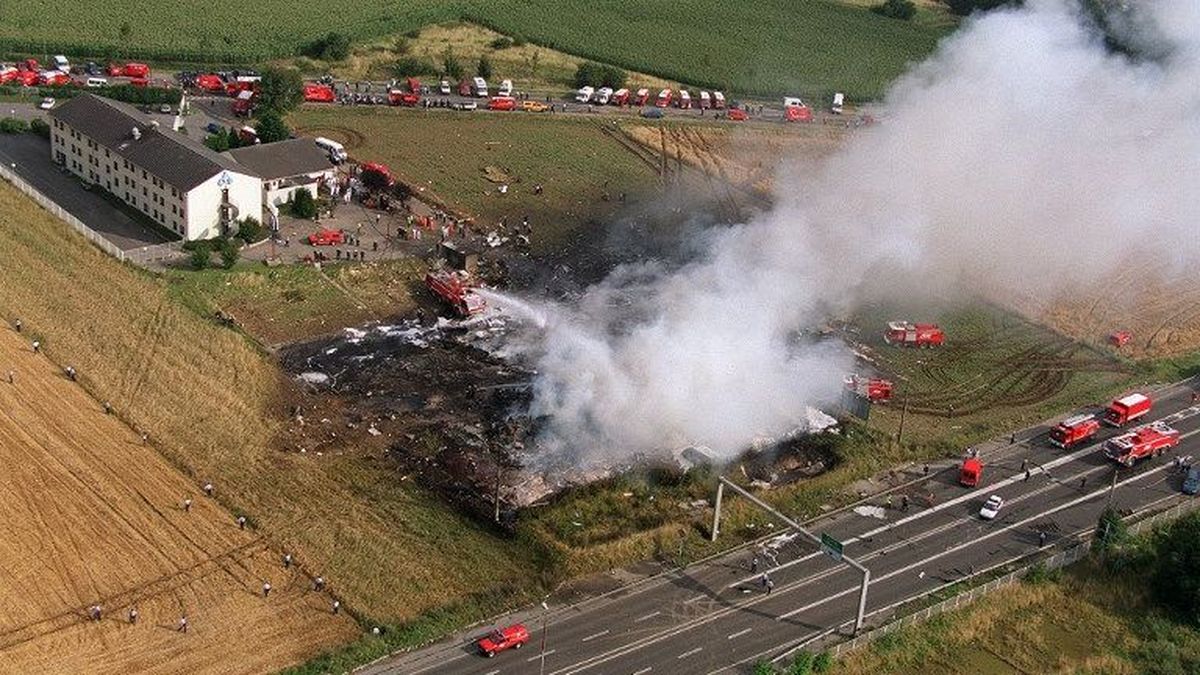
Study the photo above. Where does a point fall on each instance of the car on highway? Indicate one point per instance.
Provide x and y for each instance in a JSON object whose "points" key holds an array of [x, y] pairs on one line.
{"points": [[991, 508], [467, 105], [1191, 484], [534, 106], [652, 113], [47, 103], [511, 637], [444, 87], [738, 115]]}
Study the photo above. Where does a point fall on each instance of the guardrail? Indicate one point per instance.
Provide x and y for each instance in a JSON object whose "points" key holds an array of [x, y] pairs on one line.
{"points": [[1075, 553], [46, 203]]}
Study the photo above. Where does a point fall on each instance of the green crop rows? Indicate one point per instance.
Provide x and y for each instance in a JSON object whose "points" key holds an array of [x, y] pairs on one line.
{"points": [[771, 47]]}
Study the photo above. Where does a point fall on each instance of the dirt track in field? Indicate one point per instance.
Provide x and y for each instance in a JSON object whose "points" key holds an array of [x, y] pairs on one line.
{"points": [[91, 515]]}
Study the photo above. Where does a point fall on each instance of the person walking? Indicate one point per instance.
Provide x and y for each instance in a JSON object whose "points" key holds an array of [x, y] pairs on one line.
{"points": [[107, 408], [241, 521], [319, 584], [12, 377], [187, 505], [183, 624], [1041, 539], [37, 346], [888, 503], [208, 489], [337, 606], [133, 615], [904, 503], [1012, 439], [1027, 474], [770, 585], [95, 611], [1082, 482], [754, 565], [18, 325], [1024, 464], [287, 561], [266, 589]]}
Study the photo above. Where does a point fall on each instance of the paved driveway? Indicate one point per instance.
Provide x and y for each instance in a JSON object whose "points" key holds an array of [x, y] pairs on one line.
{"points": [[29, 156]]}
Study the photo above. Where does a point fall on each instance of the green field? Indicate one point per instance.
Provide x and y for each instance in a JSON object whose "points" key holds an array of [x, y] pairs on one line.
{"points": [[445, 155], [764, 47]]}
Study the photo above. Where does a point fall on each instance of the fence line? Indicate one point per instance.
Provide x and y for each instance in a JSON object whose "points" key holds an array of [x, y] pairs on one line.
{"points": [[60, 213], [1063, 558]]}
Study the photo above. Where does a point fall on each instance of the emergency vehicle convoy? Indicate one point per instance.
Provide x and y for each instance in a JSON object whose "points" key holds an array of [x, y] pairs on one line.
{"points": [[1148, 441]]}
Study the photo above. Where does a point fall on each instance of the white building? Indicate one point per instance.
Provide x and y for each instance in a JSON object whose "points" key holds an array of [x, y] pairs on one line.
{"points": [[175, 180], [285, 167]]}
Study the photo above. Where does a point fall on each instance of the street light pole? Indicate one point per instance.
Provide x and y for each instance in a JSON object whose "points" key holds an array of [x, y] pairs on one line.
{"points": [[542, 656]]}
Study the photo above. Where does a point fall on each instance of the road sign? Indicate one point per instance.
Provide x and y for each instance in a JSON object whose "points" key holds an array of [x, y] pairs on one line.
{"points": [[832, 547]]}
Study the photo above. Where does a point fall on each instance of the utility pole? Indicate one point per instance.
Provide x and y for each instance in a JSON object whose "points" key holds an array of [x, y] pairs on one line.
{"points": [[866, 574], [542, 656], [903, 414], [716, 526], [1113, 488]]}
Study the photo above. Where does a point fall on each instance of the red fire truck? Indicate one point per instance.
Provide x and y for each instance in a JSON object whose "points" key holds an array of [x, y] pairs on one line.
{"points": [[971, 472], [874, 389], [1147, 441], [908, 334], [456, 289], [1074, 430], [1126, 409]]}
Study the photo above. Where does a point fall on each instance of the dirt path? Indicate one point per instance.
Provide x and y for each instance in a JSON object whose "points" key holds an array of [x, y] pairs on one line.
{"points": [[94, 516]]}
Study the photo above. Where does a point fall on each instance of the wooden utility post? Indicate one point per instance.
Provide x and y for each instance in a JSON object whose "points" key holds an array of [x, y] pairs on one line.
{"points": [[903, 414]]}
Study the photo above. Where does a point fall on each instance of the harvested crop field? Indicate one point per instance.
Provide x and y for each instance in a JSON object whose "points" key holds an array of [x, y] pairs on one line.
{"points": [[1162, 314], [94, 516]]}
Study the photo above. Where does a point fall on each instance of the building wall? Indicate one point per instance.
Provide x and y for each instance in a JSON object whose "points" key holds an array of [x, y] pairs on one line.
{"points": [[204, 221], [275, 192], [188, 215]]}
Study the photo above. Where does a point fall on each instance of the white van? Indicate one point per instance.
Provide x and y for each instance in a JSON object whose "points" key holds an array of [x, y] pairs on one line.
{"points": [[603, 95], [584, 94], [95, 82], [480, 86], [838, 99], [505, 88], [62, 64], [337, 153]]}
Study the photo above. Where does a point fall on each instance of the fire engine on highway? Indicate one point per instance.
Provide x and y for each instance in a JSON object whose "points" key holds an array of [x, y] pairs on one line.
{"points": [[1127, 409], [1074, 430], [1148, 441]]}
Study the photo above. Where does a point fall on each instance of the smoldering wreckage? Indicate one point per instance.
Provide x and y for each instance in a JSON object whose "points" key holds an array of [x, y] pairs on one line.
{"points": [[446, 401]]}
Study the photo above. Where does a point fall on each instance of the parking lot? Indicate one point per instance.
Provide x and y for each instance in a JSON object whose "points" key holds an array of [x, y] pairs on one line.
{"points": [[29, 156]]}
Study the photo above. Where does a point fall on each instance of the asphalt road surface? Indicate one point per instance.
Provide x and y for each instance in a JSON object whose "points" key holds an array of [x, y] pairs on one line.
{"points": [[715, 616]]}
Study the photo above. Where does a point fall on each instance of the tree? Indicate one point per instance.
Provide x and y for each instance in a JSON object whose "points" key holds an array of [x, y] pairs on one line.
{"points": [[502, 42], [484, 69], [896, 9], [1111, 531], [587, 74], [302, 204], [802, 664], [822, 663], [329, 47], [229, 253], [12, 125], [451, 66], [250, 230], [280, 90], [1176, 580], [611, 76], [201, 256], [38, 126], [965, 7], [532, 60], [271, 127], [413, 66]]}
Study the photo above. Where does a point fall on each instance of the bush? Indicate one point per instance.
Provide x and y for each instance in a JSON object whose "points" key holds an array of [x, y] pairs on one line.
{"points": [[38, 126], [591, 74], [201, 256], [281, 90], [823, 663], [802, 664], [330, 47], [229, 253], [302, 204], [250, 230], [1176, 580], [271, 127], [402, 45], [896, 9], [12, 125], [502, 42], [1111, 531], [763, 668], [451, 66], [413, 66], [484, 69]]}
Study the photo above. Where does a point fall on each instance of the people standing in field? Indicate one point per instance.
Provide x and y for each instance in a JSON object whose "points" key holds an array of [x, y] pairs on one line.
{"points": [[133, 615], [187, 505], [37, 346], [266, 589], [208, 489], [183, 624], [95, 611]]}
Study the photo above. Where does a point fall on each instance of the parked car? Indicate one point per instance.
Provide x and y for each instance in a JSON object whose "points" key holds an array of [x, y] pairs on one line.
{"points": [[584, 95], [1191, 484], [534, 106], [165, 109], [991, 508], [212, 128], [444, 87], [738, 115], [468, 105], [652, 113], [511, 637], [47, 103]]}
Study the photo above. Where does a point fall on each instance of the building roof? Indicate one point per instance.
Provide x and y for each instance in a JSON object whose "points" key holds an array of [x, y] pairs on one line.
{"points": [[177, 160], [282, 159]]}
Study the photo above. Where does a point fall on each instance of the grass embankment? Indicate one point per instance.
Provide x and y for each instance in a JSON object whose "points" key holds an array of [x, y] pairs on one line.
{"points": [[210, 403], [766, 47], [450, 154], [289, 303]]}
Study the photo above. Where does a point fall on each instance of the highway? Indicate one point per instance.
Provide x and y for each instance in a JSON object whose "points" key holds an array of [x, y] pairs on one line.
{"points": [[715, 617]]}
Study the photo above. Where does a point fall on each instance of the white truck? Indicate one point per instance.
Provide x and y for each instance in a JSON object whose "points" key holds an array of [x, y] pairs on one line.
{"points": [[479, 86], [584, 95]]}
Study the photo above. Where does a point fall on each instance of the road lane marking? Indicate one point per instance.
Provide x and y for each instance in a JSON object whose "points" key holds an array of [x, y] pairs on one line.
{"points": [[695, 599], [648, 616], [738, 634], [1018, 478], [690, 652], [920, 563], [596, 635], [494, 672], [629, 648], [539, 656], [643, 671]]}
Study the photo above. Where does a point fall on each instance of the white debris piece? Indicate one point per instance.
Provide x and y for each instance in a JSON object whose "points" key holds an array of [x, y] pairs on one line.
{"points": [[313, 377], [870, 511]]}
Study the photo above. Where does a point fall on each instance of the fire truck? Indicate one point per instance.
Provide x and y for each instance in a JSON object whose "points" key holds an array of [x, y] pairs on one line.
{"points": [[456, 289], [1126, 409], [971, 472], [908, 334], [1147, 441], [1074, 430], [874, 389]]}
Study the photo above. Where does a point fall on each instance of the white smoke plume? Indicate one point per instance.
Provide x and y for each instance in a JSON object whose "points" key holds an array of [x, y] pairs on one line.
{"points": [[1023, 154]]}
